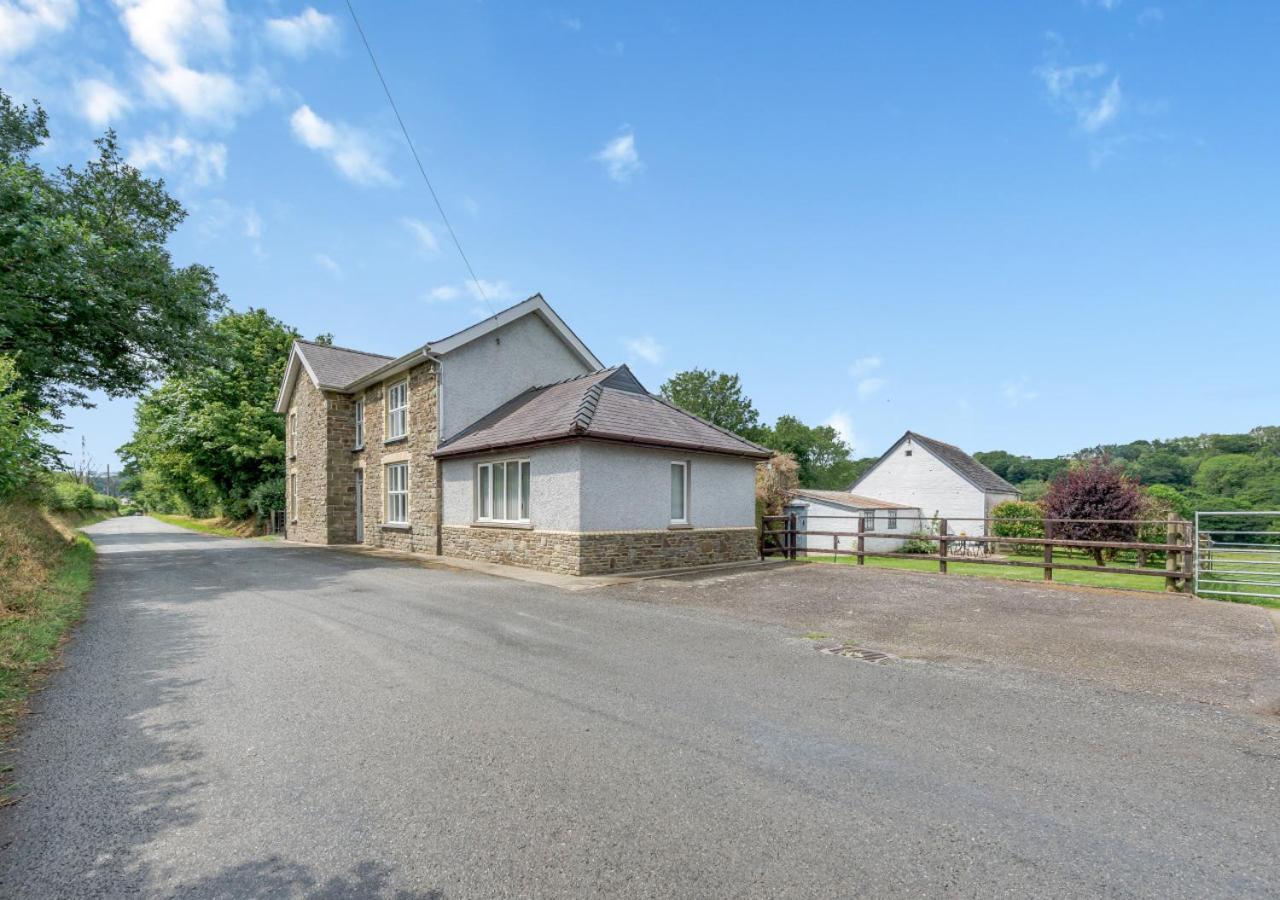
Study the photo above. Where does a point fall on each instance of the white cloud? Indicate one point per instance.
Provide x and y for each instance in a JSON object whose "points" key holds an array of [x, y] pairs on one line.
{"points": [[252, 224], [24, 23], [307, 31], [350, 150], [101, 103], [1108, 5], [199, 95], [619, 157], [1018, 391], [645, 348], [197, 161], [869, 386], [843, 424], [1083, 92], [422, 233], [476, 290], [327, 263], [864, 365], [168, 31], [573, 23]]}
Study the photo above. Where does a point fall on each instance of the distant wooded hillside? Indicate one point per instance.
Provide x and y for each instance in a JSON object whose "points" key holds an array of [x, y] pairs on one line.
{"points": [[1211, 471]]}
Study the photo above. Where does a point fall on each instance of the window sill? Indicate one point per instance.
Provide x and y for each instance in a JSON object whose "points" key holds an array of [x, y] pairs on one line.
{"points": [[679, 526], [395, 526], [519, 526], [357, 449], [395, 440]]}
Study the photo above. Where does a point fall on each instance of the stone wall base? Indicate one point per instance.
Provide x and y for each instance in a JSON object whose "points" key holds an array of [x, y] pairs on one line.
{"points": [[599, 552]]}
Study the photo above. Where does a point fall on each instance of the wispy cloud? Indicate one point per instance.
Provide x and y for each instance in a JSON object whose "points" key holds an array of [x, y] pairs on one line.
{"points": [[620, 158], [24, 23], [101, 103], [329, 264], [494, 291], [349, 150], [864, 365], [843, 424], [253, 231], [1108, 5], [572, 23], [1087, 92], [301, 34], [645, 348], [195, 161], [869, 386], [1018, 391], [1151, 15], [422, 233]]}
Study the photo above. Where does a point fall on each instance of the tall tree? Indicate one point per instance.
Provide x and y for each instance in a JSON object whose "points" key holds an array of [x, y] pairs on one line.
{"points": [[819, 451], [716, 397], [91, 297], [1099, 492]]}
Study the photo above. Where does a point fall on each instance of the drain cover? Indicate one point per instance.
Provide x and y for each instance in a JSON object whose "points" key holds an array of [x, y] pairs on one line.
{"points": [[852, 652]]}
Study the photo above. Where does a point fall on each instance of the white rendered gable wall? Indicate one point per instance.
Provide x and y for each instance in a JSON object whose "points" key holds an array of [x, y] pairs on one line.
{"points": [[924, 481]]}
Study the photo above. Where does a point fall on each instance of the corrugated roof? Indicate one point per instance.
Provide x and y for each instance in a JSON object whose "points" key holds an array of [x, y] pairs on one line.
{"points": [[339, 366], [965, 464], [844, 498], [610, 404]]}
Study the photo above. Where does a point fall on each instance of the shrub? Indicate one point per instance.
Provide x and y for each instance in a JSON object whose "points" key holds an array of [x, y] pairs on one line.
{"points": [[267, 496], [919, 543], [1019, 519], [1094, 490]]}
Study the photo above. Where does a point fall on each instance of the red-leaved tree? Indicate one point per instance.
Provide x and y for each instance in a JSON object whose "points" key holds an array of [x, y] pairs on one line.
{"points": [[1094, 490]]}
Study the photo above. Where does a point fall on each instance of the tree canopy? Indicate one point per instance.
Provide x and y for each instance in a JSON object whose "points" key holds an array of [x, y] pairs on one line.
{"points": [[91, 297], [716, 397]]}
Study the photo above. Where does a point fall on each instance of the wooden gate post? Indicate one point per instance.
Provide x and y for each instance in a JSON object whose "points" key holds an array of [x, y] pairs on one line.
{"points": [[942, 546], [862, 542], [1048, 552], [1172, 535], [792, 536]]}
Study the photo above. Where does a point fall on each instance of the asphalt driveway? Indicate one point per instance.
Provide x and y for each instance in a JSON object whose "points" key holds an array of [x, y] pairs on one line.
{"points": [[238, 719]]}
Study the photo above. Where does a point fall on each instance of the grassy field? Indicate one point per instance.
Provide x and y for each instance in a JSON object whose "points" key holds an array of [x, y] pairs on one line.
{"points": [[219, 527], [45, 573], [957, 566]]}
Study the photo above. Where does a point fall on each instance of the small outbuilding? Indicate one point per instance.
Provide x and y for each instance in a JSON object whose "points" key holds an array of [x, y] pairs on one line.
{"points": [[839, 511]]}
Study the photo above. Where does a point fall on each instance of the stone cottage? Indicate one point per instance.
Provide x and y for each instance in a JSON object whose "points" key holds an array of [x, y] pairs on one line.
{"points": [[509, 442]]}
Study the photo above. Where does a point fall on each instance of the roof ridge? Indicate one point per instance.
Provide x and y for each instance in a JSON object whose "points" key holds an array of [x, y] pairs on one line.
{"points": [[574, 378], [345, 349]]}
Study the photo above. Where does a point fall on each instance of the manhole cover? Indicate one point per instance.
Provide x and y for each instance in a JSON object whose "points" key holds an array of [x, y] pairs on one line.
{"points": [[861, 653]]}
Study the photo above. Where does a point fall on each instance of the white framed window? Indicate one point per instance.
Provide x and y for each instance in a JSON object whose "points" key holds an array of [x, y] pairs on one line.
{"points": [[679, 493], [359, 416], [893, 519], [293, 496], [398, 410], [502, 491], [293, 434], [397, 490]]}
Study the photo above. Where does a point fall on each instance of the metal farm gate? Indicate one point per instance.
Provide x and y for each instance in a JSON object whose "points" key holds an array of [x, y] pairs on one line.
{"points": [[1237, 554]]}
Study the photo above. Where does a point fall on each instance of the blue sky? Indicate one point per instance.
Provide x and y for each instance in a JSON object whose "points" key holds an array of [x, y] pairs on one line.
{"points": [[1028, 226]]}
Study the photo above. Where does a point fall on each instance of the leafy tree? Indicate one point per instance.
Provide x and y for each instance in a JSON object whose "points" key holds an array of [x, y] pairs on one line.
{"points": [[22, 454], [716, 397], [1094, 489], [211, 436], [1172, 498], [1159, 467], [820, 453], [91, 296], [1228, 473]]}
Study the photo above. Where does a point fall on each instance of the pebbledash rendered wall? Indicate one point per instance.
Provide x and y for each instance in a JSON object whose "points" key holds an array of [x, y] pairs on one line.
{"points": [[597, 508]]}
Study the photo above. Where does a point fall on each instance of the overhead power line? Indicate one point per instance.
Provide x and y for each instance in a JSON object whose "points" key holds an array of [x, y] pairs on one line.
{"points": [[476, 283]]}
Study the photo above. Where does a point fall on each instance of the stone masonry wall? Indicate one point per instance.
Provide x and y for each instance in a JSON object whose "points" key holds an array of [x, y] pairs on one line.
{"points": [[309, 522], [340, 477], [602, 552], [422, 534]]}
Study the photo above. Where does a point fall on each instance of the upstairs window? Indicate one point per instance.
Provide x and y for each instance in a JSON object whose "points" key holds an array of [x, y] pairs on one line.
{"points": [[397, 482], [293, 434], [679, 493], [502, 491], [398, 410], [359, 414]]}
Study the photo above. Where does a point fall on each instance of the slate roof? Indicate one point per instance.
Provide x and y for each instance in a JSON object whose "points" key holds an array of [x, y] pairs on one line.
{"points": [[338, 366], [965, 465], [610, 405], [844, 498]]}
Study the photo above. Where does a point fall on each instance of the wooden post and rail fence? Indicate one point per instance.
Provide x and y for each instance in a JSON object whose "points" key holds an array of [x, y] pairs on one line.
{"points": [[780, 535]]}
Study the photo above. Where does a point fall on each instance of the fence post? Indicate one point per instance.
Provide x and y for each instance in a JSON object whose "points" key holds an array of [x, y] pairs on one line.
{"points": [[942, 546], [862, 542], [791, 536], [835, 548], [1048, 552], [1172, 535], [1188, 558]]}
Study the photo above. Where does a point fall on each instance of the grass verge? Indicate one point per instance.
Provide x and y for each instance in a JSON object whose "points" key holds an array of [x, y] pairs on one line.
{"points": [[46, 570], [218, 527]]}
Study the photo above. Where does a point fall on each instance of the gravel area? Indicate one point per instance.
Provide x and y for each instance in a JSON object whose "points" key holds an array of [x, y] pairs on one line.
{"points": [[1226, 654]]}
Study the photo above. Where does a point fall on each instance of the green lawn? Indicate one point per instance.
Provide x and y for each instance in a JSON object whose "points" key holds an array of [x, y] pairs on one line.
{"points": [[217, 527], [957, 566]]}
